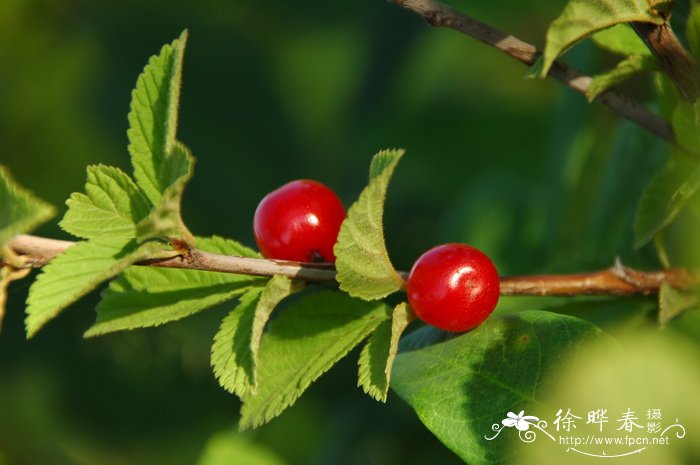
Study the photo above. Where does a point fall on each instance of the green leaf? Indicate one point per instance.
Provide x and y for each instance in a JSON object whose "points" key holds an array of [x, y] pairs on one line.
{"points": [[673, 302], [621, 40], [165, 220], [581, 18], [112, 207], [231, 356], [686, 125], [362, 260], [625, 69], [665, 197], [692, 31], [153, 122], [534, 71], [150, 296], [378, 354], [20, 210], [304, 342], [461, 387], [234, 354], [229, 448], [77, 271]]}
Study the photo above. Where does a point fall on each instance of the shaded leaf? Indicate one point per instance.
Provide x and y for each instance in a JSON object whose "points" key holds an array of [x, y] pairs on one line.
{"points": [[625, 69], [229, 448], [111, 206], [461, 387], [20, 210], [673, 302], [77, 271], [7, 275], [686, 125], [304, 342], [622, 40], [378, 354], [150, 296], [692, 31], [665, 197], [581, 18], [362, 260]]}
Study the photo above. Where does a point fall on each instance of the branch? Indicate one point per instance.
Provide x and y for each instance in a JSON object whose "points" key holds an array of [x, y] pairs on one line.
{"points": [[440, 15], [618, 280], [672, 58]]}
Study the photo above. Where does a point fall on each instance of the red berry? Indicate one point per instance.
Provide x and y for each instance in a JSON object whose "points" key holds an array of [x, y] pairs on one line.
{"points": [[454, 287], [299, 221]]}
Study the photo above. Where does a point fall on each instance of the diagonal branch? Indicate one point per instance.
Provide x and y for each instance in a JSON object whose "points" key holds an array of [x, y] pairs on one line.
{"points": [[440, 15], [617, 280], [672, 58]]}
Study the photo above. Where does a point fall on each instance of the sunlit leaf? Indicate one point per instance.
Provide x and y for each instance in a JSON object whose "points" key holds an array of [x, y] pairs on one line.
{"points": [[77, 271], [150, 296], [111, 206], [234, 354], [20, 210], [378, 354], [304, 342], [153, 122], [362, 260]]}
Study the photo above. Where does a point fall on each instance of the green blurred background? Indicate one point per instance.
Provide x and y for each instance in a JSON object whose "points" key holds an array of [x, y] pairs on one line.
{"points": [[273, 91]]}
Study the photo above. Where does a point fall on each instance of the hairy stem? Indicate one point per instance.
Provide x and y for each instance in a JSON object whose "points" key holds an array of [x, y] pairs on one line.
{"points": [[440, 15], [617, 280]]}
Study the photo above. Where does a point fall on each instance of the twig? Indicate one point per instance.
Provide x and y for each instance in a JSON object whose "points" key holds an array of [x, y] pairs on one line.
{"points": [[617, 280], [672, 58], [440, 15]]}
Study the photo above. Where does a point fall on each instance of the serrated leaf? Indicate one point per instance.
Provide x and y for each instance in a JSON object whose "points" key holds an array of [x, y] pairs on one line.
{"points": [[112, 205], [234, 354], [165, 220], [77, 271], [275, 291], [665, 197], [20, 210], [461, 387], [150, 296], [362, 261], [231, 357], [304, 342], [625, 69], [673, 302], [622, 40], [581, 18], [378, 354], [153, 122]]}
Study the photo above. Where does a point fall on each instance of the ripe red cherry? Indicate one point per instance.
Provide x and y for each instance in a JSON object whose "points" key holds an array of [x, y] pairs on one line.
{"points": [[454, 287], [299, 221]]}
